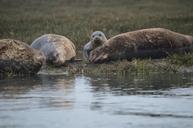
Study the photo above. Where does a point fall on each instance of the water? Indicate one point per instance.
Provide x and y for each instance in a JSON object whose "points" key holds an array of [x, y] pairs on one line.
{"points": [[160, 100]]}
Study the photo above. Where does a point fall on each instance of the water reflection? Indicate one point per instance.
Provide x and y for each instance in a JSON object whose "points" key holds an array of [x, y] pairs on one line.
{"points": [[11, 87], [134, 84], [161, 89], [36, 92], [134, 100]]}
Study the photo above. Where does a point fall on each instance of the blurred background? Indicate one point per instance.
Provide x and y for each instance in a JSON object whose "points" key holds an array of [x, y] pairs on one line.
{"points": [[76, 19]]}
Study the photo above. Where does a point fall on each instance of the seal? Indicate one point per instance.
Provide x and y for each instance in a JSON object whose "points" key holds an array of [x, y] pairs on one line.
{"points": [[146, 43], [57, 49], [16, 57], [97, 39]]}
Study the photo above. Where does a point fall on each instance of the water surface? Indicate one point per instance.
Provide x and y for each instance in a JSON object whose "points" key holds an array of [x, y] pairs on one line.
{"points": [[160, 100]]}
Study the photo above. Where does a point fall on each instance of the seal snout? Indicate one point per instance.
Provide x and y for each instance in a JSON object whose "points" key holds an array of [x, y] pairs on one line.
{"points": [[97, 39], [97, 42]]}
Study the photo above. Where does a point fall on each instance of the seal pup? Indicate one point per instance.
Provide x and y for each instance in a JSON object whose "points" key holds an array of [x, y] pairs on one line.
{"points": [[97, 39], [146, 43], [57, 49]]}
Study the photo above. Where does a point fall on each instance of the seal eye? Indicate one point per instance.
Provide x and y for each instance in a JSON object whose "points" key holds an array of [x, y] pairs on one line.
{"points": [[100, 35], [93, 36]]}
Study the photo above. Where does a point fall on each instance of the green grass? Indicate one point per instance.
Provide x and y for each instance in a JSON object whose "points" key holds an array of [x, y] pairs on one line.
{"points": [[27, 19], [76, 19]]}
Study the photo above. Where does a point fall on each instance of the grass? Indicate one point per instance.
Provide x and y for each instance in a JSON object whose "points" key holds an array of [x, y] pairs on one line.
{"points": [[76, 19]]}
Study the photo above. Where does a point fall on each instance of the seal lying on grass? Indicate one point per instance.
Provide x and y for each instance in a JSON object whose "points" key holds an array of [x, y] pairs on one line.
{"points": [[17, 57], [146, 43], [97, 39], [57, 49]]}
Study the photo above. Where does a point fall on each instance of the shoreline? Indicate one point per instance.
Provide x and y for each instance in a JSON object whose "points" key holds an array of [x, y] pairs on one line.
{"points": [[173, 64]]}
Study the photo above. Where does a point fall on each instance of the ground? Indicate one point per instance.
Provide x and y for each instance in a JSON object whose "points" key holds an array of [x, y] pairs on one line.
{"points": [[76, 19]]}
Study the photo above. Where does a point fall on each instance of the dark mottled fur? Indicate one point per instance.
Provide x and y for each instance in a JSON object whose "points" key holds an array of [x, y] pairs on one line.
{"points": [[17, 57]]}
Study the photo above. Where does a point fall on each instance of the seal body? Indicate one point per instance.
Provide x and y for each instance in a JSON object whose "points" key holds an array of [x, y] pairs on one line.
{"points": [[87, 49], [17, 57], [57, 49], [146, 43]]}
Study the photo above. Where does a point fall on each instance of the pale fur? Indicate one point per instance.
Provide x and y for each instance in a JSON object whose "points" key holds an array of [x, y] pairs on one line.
{"points": [[57, 49]]}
